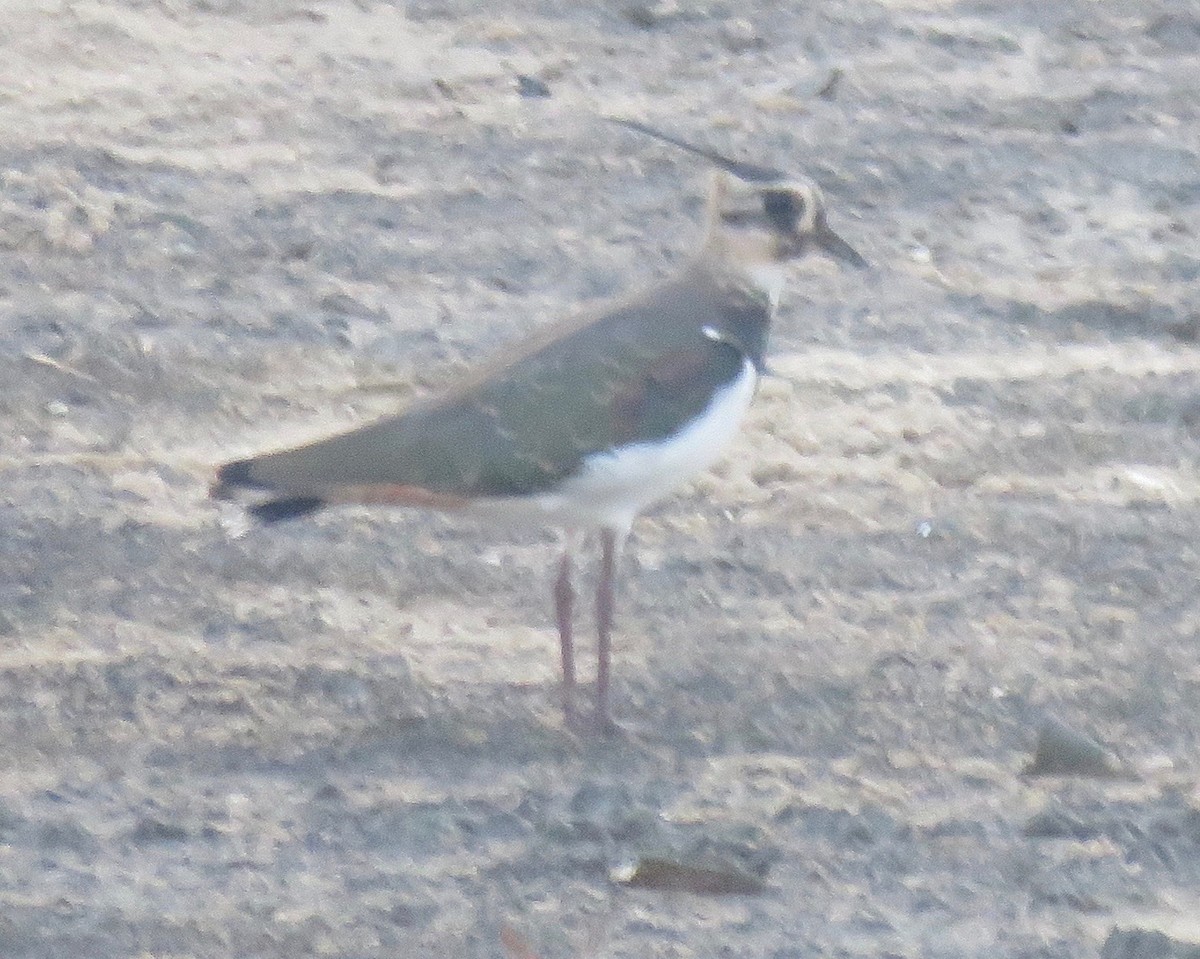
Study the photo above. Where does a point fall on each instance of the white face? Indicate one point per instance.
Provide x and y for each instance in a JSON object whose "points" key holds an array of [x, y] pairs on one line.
{"points": [[772, 222], [767, 222]]}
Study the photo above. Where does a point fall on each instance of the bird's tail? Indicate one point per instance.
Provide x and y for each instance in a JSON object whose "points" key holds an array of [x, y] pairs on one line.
{"points": [[235, 481]]}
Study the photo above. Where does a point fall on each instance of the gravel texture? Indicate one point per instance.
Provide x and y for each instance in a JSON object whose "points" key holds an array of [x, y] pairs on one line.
{"points": [[965, 506]]}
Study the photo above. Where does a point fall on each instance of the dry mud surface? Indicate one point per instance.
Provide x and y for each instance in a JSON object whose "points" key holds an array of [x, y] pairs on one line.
{"points": [[966, 502]]}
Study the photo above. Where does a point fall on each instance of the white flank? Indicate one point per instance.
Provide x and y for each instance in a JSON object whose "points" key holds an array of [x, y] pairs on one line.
{"points": [[614, 487]]}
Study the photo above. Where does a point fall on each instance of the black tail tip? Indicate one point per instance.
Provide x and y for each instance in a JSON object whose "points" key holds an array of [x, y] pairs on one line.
{"points": [[231, 480], [292, 507], [236, 475]]}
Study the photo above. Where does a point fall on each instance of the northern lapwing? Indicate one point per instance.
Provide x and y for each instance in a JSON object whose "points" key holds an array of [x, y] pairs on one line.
{"points": [[586, 423]]}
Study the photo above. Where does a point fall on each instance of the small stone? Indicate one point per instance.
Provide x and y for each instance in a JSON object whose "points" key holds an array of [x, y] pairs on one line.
{"points": [[532, 87], [1146, 944], [1061, 751], [706, 879], [740, 36], [650, 15]]}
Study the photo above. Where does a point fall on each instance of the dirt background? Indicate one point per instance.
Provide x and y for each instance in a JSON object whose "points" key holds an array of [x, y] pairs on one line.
{"points": [[967, 501]]}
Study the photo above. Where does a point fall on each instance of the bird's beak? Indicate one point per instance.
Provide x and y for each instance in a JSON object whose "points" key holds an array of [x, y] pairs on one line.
{"points": [[838, 248]]}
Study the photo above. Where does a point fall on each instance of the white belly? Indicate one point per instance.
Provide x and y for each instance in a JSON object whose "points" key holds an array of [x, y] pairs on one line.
{"points": [[614, 487]]}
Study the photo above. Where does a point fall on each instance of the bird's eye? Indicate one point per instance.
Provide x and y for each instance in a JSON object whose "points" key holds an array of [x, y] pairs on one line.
{"points": [[783, 208]]}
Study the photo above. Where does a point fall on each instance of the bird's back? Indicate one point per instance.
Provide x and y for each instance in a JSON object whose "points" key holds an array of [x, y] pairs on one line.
{"points": [[635, 372]]}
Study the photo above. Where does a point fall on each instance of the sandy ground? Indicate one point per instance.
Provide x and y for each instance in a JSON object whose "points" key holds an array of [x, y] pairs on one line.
{"points": [[967, 500]]}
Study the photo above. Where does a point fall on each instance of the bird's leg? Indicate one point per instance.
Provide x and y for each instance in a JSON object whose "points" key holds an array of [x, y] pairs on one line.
{"points": [[564, 598], [605, 601]]}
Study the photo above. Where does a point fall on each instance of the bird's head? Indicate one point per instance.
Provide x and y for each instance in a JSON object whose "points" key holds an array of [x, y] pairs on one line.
{"points": [[771, 221]]}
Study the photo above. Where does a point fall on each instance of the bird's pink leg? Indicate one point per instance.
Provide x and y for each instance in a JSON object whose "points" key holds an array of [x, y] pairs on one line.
{"points": [[564, 601], [605, 602]]}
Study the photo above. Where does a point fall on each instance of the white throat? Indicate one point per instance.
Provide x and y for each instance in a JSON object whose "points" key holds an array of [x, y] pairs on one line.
{"points": [[767, 277]]}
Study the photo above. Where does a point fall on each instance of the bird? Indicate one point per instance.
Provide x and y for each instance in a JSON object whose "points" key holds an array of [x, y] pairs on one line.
{"points": [[585, 423]]}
